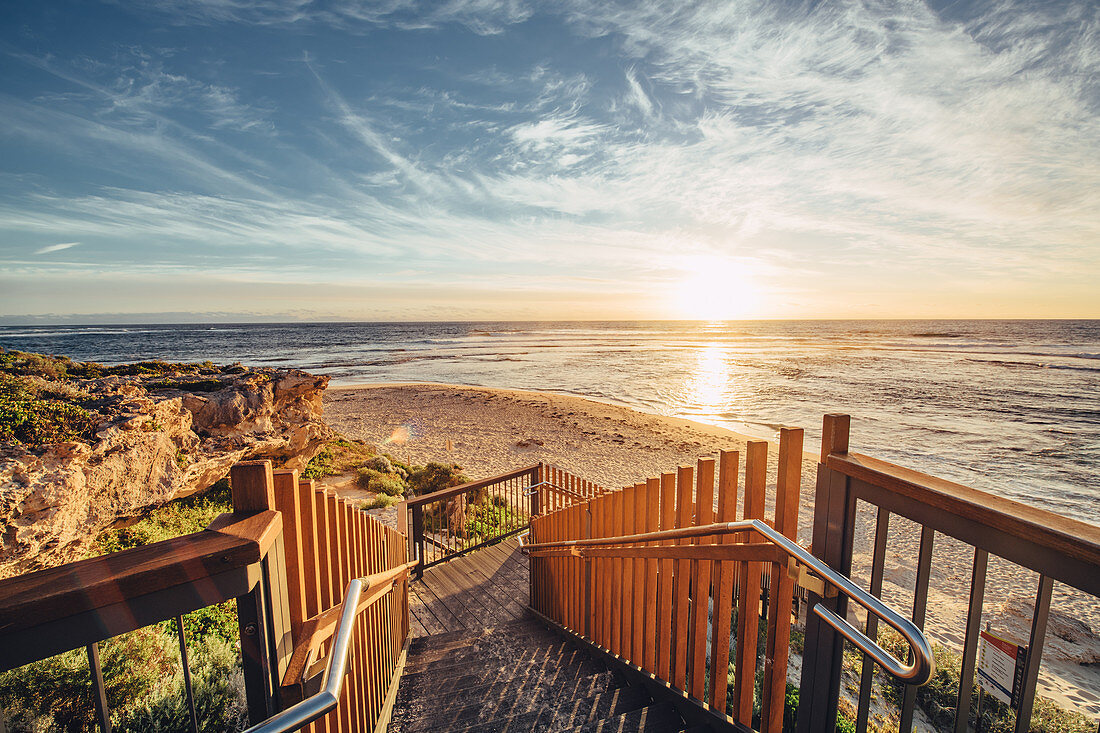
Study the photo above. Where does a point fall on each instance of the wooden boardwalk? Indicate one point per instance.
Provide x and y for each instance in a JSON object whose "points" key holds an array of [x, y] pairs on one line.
{"points": [[485, 588]]}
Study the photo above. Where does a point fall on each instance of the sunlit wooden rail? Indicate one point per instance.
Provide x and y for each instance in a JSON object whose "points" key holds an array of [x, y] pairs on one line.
{"points": [[285, 554]]}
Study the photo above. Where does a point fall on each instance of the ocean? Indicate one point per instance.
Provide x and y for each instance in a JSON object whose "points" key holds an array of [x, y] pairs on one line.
{"points": [[1010, 407]]}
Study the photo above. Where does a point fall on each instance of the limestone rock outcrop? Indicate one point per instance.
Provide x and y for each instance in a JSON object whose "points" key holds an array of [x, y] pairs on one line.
{"points": [[159, 438]]}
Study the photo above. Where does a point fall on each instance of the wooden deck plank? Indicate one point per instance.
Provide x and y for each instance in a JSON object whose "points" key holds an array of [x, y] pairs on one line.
{"points": [[486, 587]]}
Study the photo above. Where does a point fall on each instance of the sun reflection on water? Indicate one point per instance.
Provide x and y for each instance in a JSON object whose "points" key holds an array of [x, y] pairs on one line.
{"points": [[707, 386]]}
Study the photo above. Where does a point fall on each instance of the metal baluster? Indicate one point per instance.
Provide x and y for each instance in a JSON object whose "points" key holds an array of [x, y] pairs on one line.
{"points": [[970, 643], [99, 693], [920, 605], [878, 563], [187, 676], [1034, 653]]}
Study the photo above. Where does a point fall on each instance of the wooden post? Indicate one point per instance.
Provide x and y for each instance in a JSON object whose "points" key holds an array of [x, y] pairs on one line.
{"points": [[252, 486], [834, 511], [253, 491]]}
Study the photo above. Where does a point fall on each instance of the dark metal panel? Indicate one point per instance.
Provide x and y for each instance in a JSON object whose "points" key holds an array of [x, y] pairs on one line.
{"points": [[254, 655], [99, 692], [1034, 653], [834, 515], [970, 643]]}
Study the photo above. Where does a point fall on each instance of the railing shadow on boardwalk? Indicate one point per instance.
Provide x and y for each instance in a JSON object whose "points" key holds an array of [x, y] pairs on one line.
{"points": [[475, 591]]}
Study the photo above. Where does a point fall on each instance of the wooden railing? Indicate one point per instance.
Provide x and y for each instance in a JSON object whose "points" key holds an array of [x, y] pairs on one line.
{"points": [[647, 602], [665, 603], [458, 520], [1056, 547], [285, 554]]}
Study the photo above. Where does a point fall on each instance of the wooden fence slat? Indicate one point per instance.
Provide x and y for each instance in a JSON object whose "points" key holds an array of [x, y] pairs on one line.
{"points": [[700, 598], [616, 575], [638, 603], [652, 524], [787, 489], [355, 694], [682, 581], [286, 501], [629, 500], [723, 581], [339, 586], [664, 593], [748, 607], [604, 522]]}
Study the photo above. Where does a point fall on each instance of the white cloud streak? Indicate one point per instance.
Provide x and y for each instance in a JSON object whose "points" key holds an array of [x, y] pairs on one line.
{"points": [[55, 248]]}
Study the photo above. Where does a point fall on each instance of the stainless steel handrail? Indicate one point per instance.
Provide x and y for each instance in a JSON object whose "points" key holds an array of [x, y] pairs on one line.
{"points": [[918, 672], [327, 698], [324, 701]]}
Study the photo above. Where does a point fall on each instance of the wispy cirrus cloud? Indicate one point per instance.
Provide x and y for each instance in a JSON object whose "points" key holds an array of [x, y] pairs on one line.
{"points": [[55, 247]]}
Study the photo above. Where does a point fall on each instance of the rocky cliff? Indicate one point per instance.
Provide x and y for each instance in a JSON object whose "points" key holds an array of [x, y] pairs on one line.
{"points": [[150, 437]]}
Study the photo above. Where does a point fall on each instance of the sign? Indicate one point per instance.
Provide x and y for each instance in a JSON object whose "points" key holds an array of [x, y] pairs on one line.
{"points": [[1001, 668]]}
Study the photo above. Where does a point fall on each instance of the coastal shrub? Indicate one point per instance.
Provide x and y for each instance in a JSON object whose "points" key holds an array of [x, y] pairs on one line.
{"points": [[939, 698], [435, 477], [339, 455], [218, 686], [54, 693], [488, 519], [182, 516], [21, 363], [35, 417], [381, 483], [379, 502]]}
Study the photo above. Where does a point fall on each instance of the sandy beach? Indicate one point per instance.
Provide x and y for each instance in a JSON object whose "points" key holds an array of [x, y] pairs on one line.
{"points": [[492, 431]]}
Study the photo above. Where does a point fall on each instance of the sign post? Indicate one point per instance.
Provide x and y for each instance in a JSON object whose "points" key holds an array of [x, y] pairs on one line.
{"points": [[1001, 668]]}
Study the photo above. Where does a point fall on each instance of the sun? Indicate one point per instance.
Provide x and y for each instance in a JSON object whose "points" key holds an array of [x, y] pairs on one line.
{"points": [[715, 289]]}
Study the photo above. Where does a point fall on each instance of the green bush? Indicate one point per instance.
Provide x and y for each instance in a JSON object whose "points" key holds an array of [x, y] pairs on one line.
{"points": [[29, 415], [174, 519], [939, 698], [381, 483], [218, 687], [490, 519], [338, 456], [379, 502], [435, 477], [55, 693]]}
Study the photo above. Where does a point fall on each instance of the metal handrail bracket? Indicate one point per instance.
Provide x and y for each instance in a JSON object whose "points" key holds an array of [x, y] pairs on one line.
{"points": [[918, 672]]}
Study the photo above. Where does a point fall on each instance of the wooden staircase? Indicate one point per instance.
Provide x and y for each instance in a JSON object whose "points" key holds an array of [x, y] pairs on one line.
{"points": [[519, 676]]}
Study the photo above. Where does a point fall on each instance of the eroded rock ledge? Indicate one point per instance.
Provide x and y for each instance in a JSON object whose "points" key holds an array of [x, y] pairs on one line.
{"points": [[158, 438]]}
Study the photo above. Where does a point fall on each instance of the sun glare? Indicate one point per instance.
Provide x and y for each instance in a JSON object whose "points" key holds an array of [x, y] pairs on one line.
{"points": [[715, 289]]}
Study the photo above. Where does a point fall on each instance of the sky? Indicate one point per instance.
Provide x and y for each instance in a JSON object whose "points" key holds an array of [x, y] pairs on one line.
{"points": [[503, 159]]}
